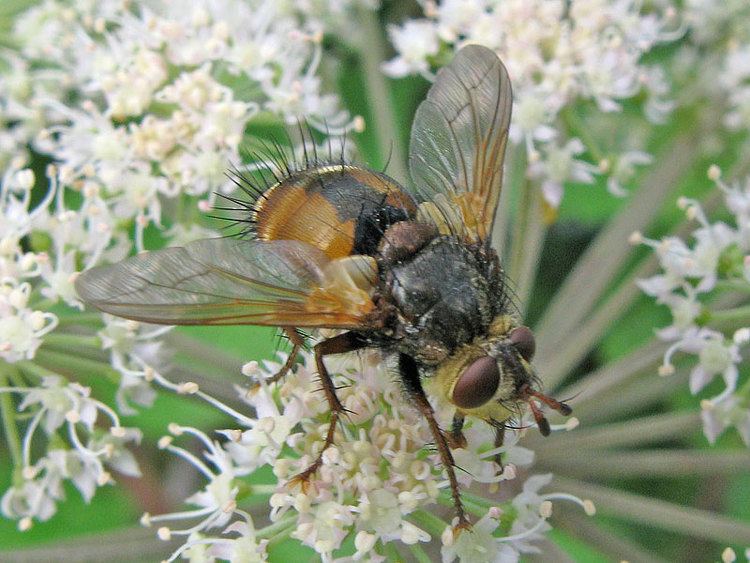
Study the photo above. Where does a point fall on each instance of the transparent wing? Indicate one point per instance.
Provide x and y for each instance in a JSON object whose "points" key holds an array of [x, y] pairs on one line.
{"points": [[231, 281], [458, 138]]}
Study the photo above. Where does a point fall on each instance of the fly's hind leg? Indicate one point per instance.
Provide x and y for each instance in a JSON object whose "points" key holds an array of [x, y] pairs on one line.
{"points": [[346, 342], [410, 377], [298, 341]]}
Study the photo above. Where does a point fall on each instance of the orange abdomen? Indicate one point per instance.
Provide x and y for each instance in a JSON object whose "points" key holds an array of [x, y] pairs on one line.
{"points": [[340, 209]]}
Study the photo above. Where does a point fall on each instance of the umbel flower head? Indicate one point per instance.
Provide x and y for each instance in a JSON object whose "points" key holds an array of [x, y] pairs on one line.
{"points": [[379, 483], [691, 285], [142, 108]]}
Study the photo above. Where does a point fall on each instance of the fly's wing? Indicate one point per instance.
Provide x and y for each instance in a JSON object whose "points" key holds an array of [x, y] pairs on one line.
{"points": [[458, 141], [231, 281]]}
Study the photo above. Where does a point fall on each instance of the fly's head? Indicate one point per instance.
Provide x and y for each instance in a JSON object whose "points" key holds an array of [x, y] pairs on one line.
{"points": [[492, 377]]}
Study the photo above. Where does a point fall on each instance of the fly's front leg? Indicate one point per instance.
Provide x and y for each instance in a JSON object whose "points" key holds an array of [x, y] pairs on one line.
{"points": [[455, 437], [410, 377], [346, 342], [499, 439]]}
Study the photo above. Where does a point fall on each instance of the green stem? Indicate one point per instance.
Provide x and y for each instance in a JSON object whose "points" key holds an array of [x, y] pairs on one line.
{"points": [[392, 553], [577, 128], [373, 49], [733, 285], [278, 530], [7, 411], [587, 529], [691, 522], [603, 259], [644, 430], [737, 314], [520, 226], [527, 244], [79, 318], [515, 168], [603, 464], [419, 554], [434, 525], [195, 349], [72, 341], [743, 393], [470, 506], [556, 363], [262, 489], [43, 304], [35, 370], [77, 365], [594, 384], [633, 396]]}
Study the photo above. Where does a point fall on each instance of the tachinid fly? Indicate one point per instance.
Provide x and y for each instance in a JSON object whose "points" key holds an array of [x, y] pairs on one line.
{"points": [[409, 271]]}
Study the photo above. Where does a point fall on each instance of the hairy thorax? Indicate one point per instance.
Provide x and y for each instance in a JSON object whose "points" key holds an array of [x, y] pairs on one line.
{"points": [[444, 295]]}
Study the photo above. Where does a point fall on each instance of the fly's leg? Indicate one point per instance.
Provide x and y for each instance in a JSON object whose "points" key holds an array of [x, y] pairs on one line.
{"points": [[499, 439], [297, 341], [346, 342], [410, 377], [455, 437]]}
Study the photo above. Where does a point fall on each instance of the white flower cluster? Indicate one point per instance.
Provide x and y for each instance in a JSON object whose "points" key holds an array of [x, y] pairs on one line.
{"points": [[136, 353], [41, 249], [378, 483], [558, 53], [21, 325], [163, 96], [58, 406], [142, 107], [721, 28], [700, 284]]}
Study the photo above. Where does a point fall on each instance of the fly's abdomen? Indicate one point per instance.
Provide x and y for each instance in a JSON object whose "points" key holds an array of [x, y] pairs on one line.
{"points": [[340, 209]]}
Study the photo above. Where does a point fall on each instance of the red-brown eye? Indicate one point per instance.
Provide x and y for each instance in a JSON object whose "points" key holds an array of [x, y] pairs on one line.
{"points": [[477, 383], [523, 339]]}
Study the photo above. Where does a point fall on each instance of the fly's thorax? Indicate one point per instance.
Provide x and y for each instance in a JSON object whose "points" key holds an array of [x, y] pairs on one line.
{"points": [[446, 295], [483, 378]]}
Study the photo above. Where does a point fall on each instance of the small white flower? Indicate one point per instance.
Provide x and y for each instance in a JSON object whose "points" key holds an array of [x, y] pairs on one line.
{"points": [[477, 545], [415, 41], [729, 411], [624, 169], [715, 357], [559, 165]]}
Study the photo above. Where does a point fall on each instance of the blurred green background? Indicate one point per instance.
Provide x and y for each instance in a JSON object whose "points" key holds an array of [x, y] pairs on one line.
{"points": [[584, 210]]}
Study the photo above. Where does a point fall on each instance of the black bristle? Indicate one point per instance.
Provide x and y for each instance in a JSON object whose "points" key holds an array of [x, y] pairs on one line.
{"points": [[278, 163]]}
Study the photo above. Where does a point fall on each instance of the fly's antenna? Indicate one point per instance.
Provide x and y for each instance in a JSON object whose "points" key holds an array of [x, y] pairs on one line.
{"points": [[528, 394]]}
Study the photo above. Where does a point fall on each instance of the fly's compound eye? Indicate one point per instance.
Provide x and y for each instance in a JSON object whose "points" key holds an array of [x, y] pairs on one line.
{"points": [[477, 383], [523, 340]]}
